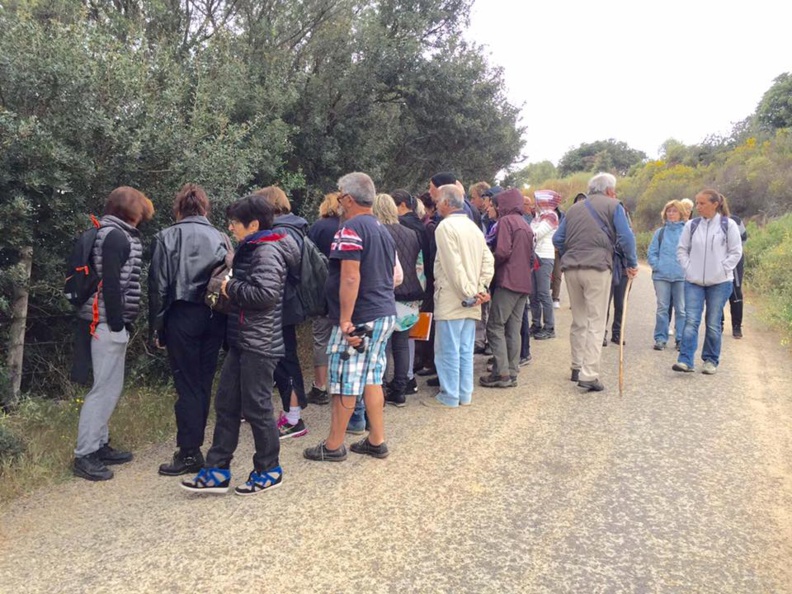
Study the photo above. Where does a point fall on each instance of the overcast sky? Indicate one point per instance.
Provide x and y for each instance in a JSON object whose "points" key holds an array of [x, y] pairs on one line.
{"points": [[639, 72]]}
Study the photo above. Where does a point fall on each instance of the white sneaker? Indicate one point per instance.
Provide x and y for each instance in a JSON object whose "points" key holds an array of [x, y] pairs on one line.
{"points": [[556, 305], [709, 368]]}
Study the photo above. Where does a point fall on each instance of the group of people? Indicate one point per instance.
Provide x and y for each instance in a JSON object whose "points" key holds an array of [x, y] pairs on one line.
{"points": [[483, 264]]}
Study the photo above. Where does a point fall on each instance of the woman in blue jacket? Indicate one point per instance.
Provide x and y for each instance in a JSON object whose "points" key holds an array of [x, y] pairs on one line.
{"points": [[667, 274]]}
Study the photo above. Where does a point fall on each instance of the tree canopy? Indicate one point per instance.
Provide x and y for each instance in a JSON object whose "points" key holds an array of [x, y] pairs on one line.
{"points": [[601, 155]]}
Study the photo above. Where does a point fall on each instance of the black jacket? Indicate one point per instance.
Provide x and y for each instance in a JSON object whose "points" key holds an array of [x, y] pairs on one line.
{"points": [[408, 248], [182, 259], [256, 293], [297, 228]]}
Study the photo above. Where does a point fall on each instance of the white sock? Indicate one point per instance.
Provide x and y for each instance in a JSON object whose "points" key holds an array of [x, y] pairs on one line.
{"points": [[322, 388], [293, 415]]}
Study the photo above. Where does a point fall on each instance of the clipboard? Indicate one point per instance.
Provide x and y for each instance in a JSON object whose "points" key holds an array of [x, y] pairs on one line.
{"points": [[423, 327]]}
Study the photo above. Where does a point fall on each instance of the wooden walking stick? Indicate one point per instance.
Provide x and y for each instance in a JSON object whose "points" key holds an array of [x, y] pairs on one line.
{"points": [[621, 336]]}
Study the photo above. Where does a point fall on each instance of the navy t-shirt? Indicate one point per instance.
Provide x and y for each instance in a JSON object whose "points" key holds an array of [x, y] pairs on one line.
{"points": [[364, 239], [322, 233]]}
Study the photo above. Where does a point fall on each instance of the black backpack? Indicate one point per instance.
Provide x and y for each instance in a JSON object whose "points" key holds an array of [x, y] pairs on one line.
{"points": [[82, 281], [313, 275]]}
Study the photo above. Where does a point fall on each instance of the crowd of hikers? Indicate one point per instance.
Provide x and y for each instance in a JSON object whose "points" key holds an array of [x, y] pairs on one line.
{"points": [[433, 280]]}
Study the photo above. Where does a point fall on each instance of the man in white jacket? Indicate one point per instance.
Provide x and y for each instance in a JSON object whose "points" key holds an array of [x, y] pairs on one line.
{"points": [[463, 269]]}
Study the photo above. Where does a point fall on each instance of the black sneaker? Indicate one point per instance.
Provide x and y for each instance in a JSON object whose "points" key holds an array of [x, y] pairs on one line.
{"points": [[426, 371], [534, 330], [737, 332], [544, 335], [184, 462], [412, 387], [678, 344], [525, 361], [91, 468], [659, 345], [434, 382], [364, 447], [110, 455], [497, 381], [285, 431], [209, 480], [616, 338], [591, 385], [575, 375], [317, 396], [321, 454], [261, 481], [397, 399]]}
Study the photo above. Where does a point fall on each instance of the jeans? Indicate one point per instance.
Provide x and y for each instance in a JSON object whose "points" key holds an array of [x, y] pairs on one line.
{"points": [[667, 291], [541, 298], [696, 297], [454, 360]]}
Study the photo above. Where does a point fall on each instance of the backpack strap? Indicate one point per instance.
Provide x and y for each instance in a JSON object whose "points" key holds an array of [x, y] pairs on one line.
{"points": [[660, 237]]}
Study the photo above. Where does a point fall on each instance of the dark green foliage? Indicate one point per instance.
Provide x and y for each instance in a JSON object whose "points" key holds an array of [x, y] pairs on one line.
{"points": [[602, 155], [11, 447], [775, 108]]}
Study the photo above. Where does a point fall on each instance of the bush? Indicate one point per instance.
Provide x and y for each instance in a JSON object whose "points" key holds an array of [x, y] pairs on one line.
{"points": [[11, 447]]}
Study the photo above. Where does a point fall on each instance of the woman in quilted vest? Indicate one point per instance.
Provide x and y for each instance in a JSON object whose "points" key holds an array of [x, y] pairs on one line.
{"points": [[117, 255]]}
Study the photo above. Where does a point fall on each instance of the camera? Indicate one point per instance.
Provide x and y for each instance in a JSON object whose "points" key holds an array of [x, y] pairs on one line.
{"points": [[469, 302], [363, 331]]}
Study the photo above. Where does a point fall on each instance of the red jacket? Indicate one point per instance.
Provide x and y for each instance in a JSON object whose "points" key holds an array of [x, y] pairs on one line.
{"points": [[514, 245]]}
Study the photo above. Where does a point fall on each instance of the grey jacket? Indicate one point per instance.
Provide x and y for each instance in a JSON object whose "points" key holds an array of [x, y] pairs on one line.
{"points": [[709, 257]]}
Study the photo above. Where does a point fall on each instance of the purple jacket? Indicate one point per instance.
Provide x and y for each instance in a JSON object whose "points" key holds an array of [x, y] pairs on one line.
{"points": [[514, 245]]}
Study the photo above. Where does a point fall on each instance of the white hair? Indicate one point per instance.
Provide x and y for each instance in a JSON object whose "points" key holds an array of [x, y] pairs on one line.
{"points": [[359, 186], [451, 195], [601, 182]]}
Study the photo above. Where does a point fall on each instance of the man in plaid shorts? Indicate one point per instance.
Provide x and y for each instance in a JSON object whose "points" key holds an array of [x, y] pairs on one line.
{"points": [[362, 272]]}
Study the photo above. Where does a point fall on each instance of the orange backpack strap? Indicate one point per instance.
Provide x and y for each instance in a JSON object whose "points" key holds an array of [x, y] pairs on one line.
{"points": [[95, 309]]}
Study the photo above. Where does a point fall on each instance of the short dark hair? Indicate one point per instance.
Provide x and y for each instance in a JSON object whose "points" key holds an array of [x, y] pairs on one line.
{"points": [[403, 197], [426, 198], [191, 201], [129, 205], [252, 208], [444, 178]]}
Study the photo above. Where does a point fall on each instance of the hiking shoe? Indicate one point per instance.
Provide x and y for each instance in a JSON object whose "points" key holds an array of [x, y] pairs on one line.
{"points": [[709, 368], [110, 455], [678, 366], [365, 447], [737, 332], [208, 480], [591, 385], [544, 335], [534, 330], [525, 361], [496, 381], [317, 396], [261, 481], [433, 382], [659, 345], [575, 375], [184, 462], [412, 387], [556, 304], [297, 430], [321, 454], [91, 468], [396, 399], [426, 371]]}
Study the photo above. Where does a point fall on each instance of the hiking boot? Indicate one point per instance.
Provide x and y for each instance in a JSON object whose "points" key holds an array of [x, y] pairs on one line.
{"points": [[184, 462], [412, 387], [525, 361], [433, 382], [365, 447], [261, 481], [91, 468], [737, 332], [320, 453], [591, 385], [208, 480], [297, 430], [317, 396], [544, 335], [397, 399], [709, 368], [496, 381], [659, 345], [110, 455], [575, 375], [678, 366]]}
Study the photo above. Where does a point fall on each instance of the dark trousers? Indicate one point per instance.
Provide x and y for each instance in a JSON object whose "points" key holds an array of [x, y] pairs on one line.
{"points": [[288, 374], [736, 306], [194, 335], [525, 334], [617, 296], [400, 349], [556, 281], [245, 391]]}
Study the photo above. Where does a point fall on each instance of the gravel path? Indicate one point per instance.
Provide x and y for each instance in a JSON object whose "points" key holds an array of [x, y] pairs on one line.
{"points": [[682, 485]]}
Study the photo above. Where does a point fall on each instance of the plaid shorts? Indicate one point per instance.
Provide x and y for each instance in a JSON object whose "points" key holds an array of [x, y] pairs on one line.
{"points": [[348, 378]]}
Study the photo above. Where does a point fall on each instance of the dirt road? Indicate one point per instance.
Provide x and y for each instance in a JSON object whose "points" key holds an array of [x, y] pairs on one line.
{"points": [[682, 485]]}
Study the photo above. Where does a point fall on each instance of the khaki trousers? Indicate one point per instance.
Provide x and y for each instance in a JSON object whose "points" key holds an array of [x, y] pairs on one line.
{"points": [[588, 291]]}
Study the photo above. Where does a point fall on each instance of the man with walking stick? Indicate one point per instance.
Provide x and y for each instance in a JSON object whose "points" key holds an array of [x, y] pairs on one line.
{"points": [[587, 239]]}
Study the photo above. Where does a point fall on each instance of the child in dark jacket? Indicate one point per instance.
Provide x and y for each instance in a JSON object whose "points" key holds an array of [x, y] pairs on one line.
{"points": [[255, 345]]}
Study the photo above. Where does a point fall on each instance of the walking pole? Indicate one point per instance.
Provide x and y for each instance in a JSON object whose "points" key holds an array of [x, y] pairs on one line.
{"points": [[621, 337]]}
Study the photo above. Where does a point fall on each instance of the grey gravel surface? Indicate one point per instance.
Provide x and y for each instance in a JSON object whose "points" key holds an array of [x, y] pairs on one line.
{"points": [[682, 485]]}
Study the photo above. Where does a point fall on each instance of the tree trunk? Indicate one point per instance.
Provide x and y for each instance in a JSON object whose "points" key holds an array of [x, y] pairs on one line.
{"points": [[16, 339]]}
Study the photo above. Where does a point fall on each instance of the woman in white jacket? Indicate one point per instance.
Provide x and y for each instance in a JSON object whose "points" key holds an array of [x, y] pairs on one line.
{"points": [[708, 251]]}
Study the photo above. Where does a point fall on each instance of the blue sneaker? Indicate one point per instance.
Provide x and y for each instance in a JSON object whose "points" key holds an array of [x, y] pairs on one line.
{"points": [[209, 480], [261, 481]]}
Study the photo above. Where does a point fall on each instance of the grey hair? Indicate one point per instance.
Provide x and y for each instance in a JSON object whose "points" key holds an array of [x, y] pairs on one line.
{"points": [[385, 209], [451, 195], [600, 183], [359, 186]]}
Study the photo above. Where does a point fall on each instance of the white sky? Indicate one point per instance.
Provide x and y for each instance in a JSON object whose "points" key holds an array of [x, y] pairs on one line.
{"points": [[672, 69]]}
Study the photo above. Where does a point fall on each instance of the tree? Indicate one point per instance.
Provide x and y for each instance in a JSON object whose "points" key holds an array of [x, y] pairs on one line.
{"points": [[532, 175], [775, 108], [601, 155]]}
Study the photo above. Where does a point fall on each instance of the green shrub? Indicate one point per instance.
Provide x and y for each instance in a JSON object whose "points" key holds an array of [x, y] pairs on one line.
{"points": [[11, 447]]}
